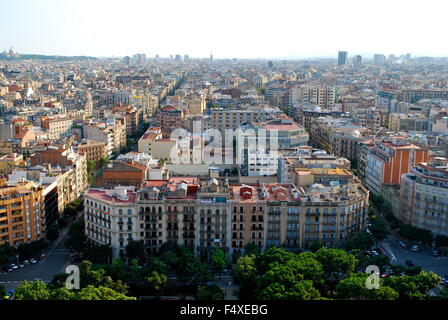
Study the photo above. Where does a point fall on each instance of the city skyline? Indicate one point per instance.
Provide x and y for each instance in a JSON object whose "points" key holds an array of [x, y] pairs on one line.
{"points": [[248, 30]]}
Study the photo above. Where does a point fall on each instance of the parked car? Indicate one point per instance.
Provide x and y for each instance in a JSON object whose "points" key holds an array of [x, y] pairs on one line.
{"points": [[402, 244], [14, 267], [21, 265], [26, 262], [9, 269], [435, 253], [415, 248], [33, 261], [410, 263]]}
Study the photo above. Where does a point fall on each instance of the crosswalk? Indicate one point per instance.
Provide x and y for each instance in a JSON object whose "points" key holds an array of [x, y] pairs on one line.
{"points": [[61, 252]]}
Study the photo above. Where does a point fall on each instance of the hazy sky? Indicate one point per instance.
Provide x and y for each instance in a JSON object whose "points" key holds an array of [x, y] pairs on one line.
{"points": [[228, 28]]}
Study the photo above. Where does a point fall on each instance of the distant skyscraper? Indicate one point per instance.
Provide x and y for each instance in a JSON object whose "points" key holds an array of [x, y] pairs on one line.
{"points": [[391, 58], [211, 56], [178, 58], [127, 60], [342, 58], [270, 64], [379, 58], [357, 61], [408, 57], [186, 58]]}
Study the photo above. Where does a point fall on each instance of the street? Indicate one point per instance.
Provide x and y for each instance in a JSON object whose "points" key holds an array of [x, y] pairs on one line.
{"points": [[422, 258], [54, 262]]}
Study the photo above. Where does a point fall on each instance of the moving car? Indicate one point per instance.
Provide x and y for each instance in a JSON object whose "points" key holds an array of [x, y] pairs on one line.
{"points": [[435, 253], [415, 248]]}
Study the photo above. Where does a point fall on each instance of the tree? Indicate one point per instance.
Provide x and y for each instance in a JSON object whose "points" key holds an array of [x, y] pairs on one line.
{"points": [[354, 287], [413, 287], [100, 254], [62, 294], [361, 241], [103, 162], [156, 282], [316, 245], [100, 293], [251, 248], [36, 290], [441, 241], [416, 234], [136, 250], [89, 276], [212, 292], [299, 290], [6, 251], [379, 229], [90, 172], [220, 260], [77, 240], [244, 271], [27, 250], [58, 281], [337, 264], [2, 291]]}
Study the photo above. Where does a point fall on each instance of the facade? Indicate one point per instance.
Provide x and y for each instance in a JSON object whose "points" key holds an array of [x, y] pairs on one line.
{"points": [[205, 214], [324, 97], [93, 150], [342, 58], [9, 162], [125, 173], [21, 213], [388, 161], [424, 196], [170, 118], [56, 127]]}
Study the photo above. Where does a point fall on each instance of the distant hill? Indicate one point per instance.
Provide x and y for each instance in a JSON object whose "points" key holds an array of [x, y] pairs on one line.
{"points": [[44, 57]]}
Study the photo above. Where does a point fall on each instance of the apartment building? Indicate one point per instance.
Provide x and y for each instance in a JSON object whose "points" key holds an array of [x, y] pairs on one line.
{"points": [[113, 134], [93, 150], [322, 96], [389, 160], [9, 162], [56, 127], [408, 122], [21, 212], [207, 213], [424, 196], [170, 118]]}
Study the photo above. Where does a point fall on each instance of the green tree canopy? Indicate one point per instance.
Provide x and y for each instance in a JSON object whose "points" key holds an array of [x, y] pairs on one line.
{"points": [[35, 290], [354, 288]]}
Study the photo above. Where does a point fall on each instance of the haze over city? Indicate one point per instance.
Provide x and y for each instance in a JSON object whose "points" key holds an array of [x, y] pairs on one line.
{"points": [[228, 29]]}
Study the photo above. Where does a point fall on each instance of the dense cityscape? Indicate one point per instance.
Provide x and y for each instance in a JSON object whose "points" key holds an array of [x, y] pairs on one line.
{"points": [[118, 166]]}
